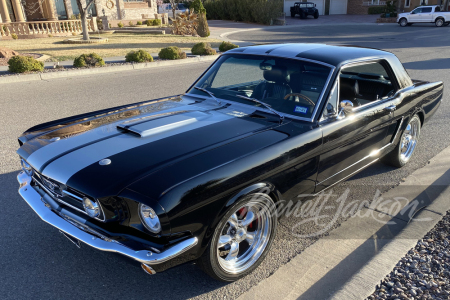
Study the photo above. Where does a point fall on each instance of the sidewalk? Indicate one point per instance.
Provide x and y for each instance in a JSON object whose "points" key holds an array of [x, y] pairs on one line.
{"points": [[356, 256]]}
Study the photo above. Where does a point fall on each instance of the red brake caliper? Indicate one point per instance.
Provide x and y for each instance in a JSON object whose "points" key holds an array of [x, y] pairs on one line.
{"points": [[242, 213]]}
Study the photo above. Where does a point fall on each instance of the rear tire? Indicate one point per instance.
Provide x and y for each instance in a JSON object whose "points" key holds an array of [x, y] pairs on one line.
{"points": [[316, 15], [404, 150], [403, 22], [242, 239], [439, 22], [292, 15]]}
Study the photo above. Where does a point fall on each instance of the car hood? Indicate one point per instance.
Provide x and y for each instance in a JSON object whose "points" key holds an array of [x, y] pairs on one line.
{"points": [[402, 15], [99, 155]]}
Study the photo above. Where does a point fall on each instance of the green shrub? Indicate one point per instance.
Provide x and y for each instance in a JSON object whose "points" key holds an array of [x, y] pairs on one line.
{"points": [[203, 49], [88, 60], [120, 25], [131, 23], [138, 56], [50, 35], [376, 10], [157, 22], [22, 64], [171, 52], [255, 11], [225, 46], [203, 28], [149, 22], [138, 23], [197, 7], [14, 36]]}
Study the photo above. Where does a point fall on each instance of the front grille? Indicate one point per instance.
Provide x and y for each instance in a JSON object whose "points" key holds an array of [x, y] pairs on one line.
{"points": [[61, 193]]}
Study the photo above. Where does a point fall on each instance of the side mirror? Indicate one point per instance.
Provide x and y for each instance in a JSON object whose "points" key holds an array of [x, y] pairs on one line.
{"points": [[346, 107], [315, 5]]}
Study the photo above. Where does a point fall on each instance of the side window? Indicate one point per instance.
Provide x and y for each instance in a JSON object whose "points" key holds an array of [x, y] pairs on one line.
{"points": [[331, 108], [417, 10], [437, 8], [426, 9], [365, 83]]}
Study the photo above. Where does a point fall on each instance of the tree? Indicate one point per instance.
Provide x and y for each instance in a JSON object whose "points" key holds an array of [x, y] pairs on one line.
{"points": [[84, 11], [445, 8], [174, 4]]}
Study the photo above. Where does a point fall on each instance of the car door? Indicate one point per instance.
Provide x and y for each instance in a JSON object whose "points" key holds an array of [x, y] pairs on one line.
{"points": [[426, 15], [352, 140], [415, 15]]}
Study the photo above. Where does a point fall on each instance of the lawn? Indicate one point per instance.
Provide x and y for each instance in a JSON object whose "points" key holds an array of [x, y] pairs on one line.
{"points": [[118, 44]]}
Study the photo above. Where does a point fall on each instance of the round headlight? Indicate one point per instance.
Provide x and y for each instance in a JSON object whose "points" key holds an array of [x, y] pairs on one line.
{"points": [[26, 167], [91, 207], [149, 218]]}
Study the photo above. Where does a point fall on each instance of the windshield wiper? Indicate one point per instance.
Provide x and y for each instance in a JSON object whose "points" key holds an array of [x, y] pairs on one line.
{"points": [[265, 104], [209, 93]]}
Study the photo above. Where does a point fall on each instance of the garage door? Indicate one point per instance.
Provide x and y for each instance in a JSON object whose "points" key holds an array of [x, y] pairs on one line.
{"points": [[338, 7], [320, 5]]}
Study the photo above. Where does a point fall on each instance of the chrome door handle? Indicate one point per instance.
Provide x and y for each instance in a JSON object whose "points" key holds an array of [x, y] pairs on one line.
{"points": [[390, 108]]}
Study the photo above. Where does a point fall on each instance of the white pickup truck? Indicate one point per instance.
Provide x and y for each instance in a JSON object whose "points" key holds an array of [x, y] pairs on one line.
{"points": [[425, 14]]}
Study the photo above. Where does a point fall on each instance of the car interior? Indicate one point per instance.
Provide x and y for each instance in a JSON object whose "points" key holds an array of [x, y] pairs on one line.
{"points": [[363, 84]]}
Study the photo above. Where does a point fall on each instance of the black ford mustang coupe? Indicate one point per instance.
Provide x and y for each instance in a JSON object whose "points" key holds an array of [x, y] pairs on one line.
{"points": [[177, 179]]}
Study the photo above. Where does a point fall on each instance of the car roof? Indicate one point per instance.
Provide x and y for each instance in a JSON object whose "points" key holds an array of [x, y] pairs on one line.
{"points": [[334, 55]]}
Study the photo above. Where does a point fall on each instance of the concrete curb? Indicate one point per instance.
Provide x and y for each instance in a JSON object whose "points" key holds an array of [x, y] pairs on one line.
{"points": [[111, 69], [339, 267]]}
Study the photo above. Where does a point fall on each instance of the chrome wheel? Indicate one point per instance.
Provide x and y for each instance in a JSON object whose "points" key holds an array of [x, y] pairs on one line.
{"points": [[439, 22], [403, 22], [409, 139], [245, 236]]}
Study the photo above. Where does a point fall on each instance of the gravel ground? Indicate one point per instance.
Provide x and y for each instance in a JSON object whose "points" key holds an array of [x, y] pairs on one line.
{"points": [[424, 272]]}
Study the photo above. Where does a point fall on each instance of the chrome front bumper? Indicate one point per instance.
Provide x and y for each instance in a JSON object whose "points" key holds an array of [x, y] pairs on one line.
{"points": [[40, 204]]}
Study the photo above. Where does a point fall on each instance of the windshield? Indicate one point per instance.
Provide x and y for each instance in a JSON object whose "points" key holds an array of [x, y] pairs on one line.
{"points": [[289, 86]]}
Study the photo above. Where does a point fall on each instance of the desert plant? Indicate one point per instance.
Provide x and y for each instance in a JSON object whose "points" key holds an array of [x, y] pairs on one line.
{"points": [[203, 28], [131, 23], [74, 33], [171, 52], [88, 60], [14, 36], [225, 46], [22, 64], [203, 49], [157, 22], [138, 56], [149, 22], [120, 25], [138, 23], [185, 23], [50, 35]]}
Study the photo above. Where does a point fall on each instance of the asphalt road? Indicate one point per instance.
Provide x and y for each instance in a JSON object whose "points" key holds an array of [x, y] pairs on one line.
{"points": [[38, 262]]}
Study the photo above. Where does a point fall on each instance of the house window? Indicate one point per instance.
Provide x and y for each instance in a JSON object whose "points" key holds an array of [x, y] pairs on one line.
{"points": [[407, 3]]}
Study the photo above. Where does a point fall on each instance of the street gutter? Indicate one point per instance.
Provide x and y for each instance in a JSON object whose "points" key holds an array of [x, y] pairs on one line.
{"points": [[339, 267]]}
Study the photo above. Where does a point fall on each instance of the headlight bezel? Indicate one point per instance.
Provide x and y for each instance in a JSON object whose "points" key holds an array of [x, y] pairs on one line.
{"points": [[151, 222], [26, 167], [91, 207]]}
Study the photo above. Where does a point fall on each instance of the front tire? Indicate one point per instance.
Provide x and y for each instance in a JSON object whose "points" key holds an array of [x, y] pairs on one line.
{"points": [[303, 15], [316, 15], [292, 15], [404, 150], [242, 239], [439, 22], [403, 22]]}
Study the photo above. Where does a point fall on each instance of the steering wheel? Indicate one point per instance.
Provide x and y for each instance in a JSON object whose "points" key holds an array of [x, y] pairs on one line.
{"points": [[300, 97]]}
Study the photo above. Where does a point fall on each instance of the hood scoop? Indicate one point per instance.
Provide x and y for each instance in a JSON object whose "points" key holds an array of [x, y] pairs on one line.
{"points": [[156, 124]]}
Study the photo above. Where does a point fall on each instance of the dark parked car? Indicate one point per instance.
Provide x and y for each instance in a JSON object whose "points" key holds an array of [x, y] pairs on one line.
{"points": [[304, 9], [197, 176]]}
